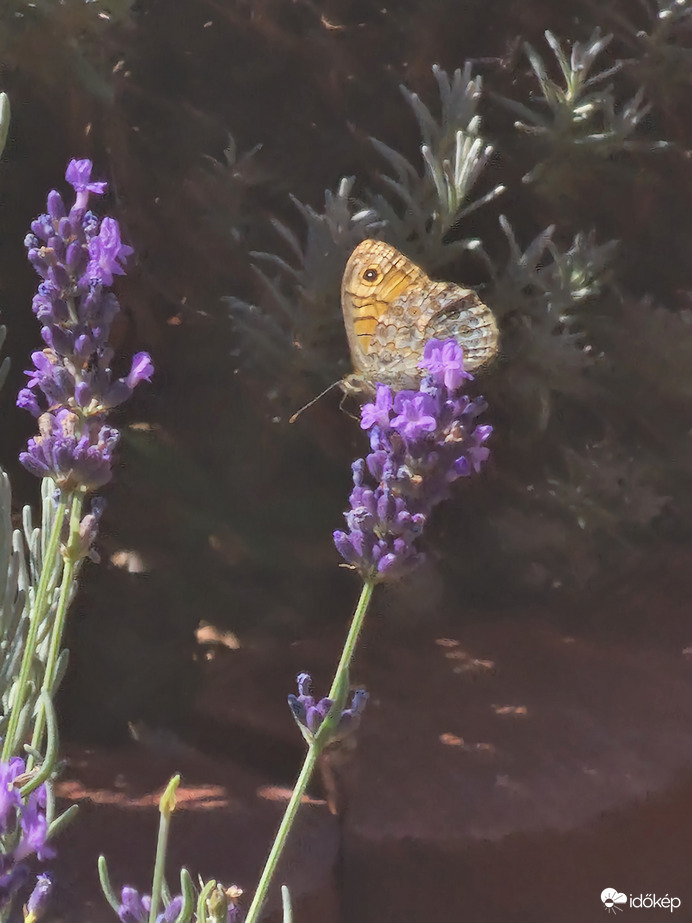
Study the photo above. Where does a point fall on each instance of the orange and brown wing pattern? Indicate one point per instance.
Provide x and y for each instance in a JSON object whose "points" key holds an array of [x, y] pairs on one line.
{"points": [[376, 276], [392, 308]]}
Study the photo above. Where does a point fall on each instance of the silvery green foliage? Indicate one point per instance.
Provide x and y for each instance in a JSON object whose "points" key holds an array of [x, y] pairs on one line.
{"points": [[671, 13], [543, 279], [571, 341], [581, 111], [21, 555], [13, 609], [667, 19], [300, 309], [662, 49], [539, 293], [421, 209]]}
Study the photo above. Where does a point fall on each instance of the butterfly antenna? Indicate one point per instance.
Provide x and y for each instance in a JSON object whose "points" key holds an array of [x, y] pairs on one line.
{"points": [[294, 417]]}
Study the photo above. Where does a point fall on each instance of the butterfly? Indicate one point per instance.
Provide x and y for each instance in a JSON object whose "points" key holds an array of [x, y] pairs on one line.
{"points": [[392, 308]]}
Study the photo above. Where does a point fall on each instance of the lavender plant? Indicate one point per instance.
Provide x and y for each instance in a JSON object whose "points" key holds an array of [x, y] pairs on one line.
{"points": [[538, 295], [583, 112], [422, 209], [421, 442], [26, 808], [70, 391], [289, 332], [661, 52], [211, 902], [24, 832], [294, 326]]}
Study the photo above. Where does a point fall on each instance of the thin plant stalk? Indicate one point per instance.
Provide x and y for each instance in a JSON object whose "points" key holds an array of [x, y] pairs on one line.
{"points": [[72, 557], [352, 637], [41, 603], [166, 807], [312, 755]]}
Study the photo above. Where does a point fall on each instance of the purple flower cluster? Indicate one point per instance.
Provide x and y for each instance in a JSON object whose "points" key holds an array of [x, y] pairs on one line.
{"points": [[310, 714], [23, 830], [135, 907], [420, 442], [71, 386]]}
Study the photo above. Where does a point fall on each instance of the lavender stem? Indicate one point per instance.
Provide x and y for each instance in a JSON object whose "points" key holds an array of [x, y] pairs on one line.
{"points": [[311, 757], [41, 603]]}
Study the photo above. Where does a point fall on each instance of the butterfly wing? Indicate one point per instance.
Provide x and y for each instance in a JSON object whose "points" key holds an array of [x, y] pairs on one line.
{"points": [[392, 308], [462, 316], [444, 311], [377, 276]]}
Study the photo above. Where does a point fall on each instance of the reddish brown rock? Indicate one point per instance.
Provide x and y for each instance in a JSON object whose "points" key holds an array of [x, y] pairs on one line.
{"points": [[511, 772], [509, 769]]}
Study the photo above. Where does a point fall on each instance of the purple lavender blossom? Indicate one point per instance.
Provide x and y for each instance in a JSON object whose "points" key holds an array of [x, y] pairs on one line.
{"points": [[10, 799], [13, 877], [23, 829], [310, 714], [135, 907], [107, 253], [71, 386], [72, 459], [88, 530], [39, 899], [444, 360], [78, 175], [421, 441], [307, 712], [236, 914]]}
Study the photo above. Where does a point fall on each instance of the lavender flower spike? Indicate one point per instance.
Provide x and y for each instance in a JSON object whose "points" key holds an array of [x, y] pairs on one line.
{"points": [[71, 386], [135, 907], [421, 441], [310, 714], [23, 833]]}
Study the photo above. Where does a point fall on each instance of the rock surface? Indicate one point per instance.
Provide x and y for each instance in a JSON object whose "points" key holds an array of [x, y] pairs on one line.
{"points": [[507, 769]]}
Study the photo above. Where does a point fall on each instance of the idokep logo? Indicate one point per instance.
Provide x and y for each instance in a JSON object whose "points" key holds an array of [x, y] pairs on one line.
{"points": [[615, 901], [646, 901], [612, 899]]}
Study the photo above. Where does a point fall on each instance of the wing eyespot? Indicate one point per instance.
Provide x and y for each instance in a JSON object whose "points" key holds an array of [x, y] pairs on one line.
{"points": [[370, 275]]}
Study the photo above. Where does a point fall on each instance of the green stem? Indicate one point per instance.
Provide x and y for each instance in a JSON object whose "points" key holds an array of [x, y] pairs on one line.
{"points": [[72, 558], [38, 611], [166, 807], [352, 637], [311, 757], [282, 834]]}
